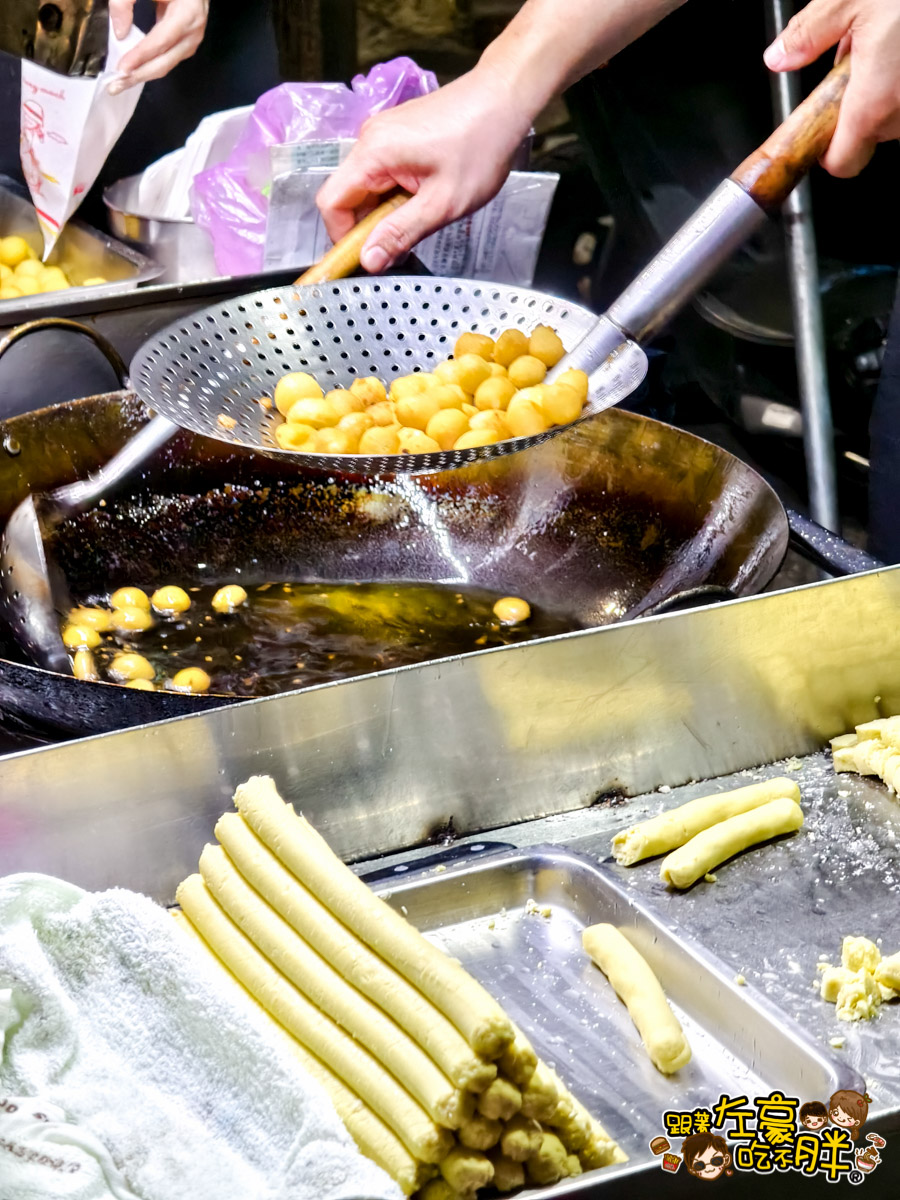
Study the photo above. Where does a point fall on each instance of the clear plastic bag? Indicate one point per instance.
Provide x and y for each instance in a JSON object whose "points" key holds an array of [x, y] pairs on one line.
{"points": [[230, 200]]}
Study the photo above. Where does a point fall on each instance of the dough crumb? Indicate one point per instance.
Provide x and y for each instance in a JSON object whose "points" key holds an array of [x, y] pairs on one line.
{"points": [[837, 1042], [439, 869], [793, 764], [404, 910], [491, 923], [665, 789], [710, 878], [740, 980]]}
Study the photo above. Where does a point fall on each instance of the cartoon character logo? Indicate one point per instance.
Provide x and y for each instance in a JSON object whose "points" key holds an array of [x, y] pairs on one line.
{"points": [[814, 1115], [706, 1155], [849, 1110], [32, 134]]}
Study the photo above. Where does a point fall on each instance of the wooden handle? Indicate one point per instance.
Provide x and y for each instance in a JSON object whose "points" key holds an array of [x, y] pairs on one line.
{"points": [[772, 172], [343, 257]]}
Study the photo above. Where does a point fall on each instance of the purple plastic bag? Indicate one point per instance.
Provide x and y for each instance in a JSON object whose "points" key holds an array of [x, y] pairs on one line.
{"points": [[228, 200]]}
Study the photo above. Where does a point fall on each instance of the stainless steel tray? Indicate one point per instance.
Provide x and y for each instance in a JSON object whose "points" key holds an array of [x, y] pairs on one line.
{"points": [[473, 902], [92, 253]]}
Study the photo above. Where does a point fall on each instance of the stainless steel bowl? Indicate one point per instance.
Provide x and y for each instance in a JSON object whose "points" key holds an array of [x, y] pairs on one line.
{"points": [[182, 249]]}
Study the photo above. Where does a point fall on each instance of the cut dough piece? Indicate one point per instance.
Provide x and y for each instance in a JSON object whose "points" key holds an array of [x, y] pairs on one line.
{"points": [[887, 973], [884, 729], [672, 829], [467, 1170], [713, 846], [477, 1016], [362, 1073], [351, 958], [320, 983], [859, 954], [833, 979], [859, 998], [641, 993]]}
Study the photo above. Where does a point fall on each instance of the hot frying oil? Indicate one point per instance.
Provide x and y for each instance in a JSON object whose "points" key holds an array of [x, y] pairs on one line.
{"points": [[291, 635]]}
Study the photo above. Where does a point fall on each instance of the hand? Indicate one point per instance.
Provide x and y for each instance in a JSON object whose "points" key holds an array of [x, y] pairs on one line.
{"points": [[870, 112], [451, 150], [179, 29]]}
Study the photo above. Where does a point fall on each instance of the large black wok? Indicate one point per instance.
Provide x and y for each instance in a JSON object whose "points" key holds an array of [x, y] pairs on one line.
{"points": [[620, 517]]}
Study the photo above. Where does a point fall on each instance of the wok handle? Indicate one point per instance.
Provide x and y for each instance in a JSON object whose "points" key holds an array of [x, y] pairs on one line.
{"points": [[106, 348], [343, 257], [772, 172], [826, 549]]}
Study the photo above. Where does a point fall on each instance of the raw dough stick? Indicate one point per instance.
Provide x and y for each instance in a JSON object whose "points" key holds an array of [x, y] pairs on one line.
{"points": [[521, 1138], [438, 1189], [467, 1170], [370, 1133], [518, 1060], [480, 1133], [641, 993], [679, 825], [549, 1163], [477, 1016], [320, 983], [541, 1097], [351, 958], [702, 853], [363, 1074], [501, 1101], [508, 1174]]}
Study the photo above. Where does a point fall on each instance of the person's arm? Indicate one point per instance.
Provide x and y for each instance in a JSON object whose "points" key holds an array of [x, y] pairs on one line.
{"points": [[870, 113], [179, 29], [453, 148]]}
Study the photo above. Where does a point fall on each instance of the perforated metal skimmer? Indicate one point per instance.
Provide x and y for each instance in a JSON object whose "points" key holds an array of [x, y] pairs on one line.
{"points": [[220, 366]]}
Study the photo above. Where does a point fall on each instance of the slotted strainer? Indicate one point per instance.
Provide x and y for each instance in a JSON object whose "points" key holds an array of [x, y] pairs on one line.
{"points": [[215, 372]]}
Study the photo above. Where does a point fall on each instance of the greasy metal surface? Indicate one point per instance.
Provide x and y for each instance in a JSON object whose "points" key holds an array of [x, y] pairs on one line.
{"points": [[223, 360], [741, 1042], [601, 523], [67, 36], [86, 252]]}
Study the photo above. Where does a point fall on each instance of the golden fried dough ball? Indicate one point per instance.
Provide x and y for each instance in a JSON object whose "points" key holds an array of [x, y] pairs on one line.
{"points": [[297, 385], [131, 666], [335, 441], [471, 370], [449, 395], [294, 436], [415, 441], [497, 371], [446, 426], [356, 424], [526, 371], [7, 276], [52, 279], [474, 343], [9, 293], [576, 380], [344, 402], [29, 268], [510, 610], [494, 393], [476, 437], [130, 597], [14, 250], [382, 413], [380, 439], [545, 344], [560, 404], [170, 599], [90, 618], [312, 410], [229, 598], [76, 636], [369, 389], [191, 679], [416, 411], [510, 345], [445, 372], [130, 619], [84, 666], [491, 418], [140, 685], [410, 385], [27, 286], [95, 281], [526, 419]]}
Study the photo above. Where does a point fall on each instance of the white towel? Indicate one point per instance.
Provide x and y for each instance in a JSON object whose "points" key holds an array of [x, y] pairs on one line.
{"points": [[118, 1032]]}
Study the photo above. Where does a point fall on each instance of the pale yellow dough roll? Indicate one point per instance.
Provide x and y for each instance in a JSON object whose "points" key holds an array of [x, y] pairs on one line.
{"points": [[362, 1073], [353, 959], [672, 829], [370, 1133], [308, 971], [475, 1013], [702, 853], [641, 992]]}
